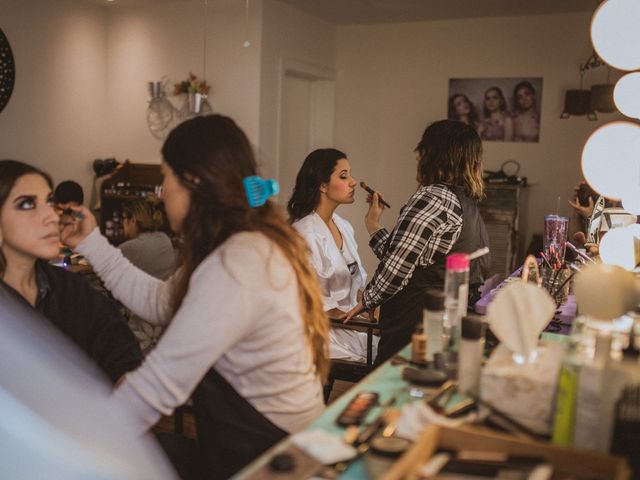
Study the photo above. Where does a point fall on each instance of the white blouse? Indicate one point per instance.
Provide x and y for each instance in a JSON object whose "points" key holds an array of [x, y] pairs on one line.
{"points": [[340, 273]]}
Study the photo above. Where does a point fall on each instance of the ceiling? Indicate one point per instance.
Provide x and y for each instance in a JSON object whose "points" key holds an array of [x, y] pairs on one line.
{"points": [[355, 12], [362, 12]]}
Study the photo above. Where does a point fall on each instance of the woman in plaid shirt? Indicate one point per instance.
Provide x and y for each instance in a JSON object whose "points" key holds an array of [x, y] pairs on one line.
{"points": [[440, 218]]}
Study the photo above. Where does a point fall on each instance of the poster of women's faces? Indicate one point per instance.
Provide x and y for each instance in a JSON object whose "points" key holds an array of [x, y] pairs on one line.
{"points": [[500, 109]]}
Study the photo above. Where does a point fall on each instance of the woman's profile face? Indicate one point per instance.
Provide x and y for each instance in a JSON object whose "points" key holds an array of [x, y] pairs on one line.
{"points": [[461, 106], [524, 98], [176, 197], [28, 221], [341, 187], [492, 100]]}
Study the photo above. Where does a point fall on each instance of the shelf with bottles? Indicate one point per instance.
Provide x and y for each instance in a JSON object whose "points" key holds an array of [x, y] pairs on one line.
{"points": [[134, 181]]}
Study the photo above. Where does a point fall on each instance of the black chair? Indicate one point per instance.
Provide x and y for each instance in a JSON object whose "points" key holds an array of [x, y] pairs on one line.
{"points": [[347, 370]]}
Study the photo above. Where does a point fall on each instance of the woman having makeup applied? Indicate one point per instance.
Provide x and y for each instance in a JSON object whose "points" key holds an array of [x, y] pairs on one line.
{"points": [[246, 334], [440, 218], [29, 238], [323, 183]]}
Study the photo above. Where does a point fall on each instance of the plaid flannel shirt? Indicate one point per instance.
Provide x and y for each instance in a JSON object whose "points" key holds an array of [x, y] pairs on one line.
{"points": [[429, 225]]}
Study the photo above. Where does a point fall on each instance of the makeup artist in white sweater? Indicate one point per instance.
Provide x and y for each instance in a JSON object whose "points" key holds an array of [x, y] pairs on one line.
{"points": [[246, 335]]}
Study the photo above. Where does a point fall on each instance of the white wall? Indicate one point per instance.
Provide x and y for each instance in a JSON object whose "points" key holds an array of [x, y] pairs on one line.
{"points": [[146, 43], [393, 81], [82, 73], [287, 33], [56, 118]]}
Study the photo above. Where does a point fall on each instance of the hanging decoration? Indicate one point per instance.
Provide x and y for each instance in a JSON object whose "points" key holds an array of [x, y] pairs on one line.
{"points": [[7, 71], [246, 43], [196, 92], [162, 115], [599, 98]]}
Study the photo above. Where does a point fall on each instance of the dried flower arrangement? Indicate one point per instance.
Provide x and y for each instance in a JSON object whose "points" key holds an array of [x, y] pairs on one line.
{"points": [[191, 85]]}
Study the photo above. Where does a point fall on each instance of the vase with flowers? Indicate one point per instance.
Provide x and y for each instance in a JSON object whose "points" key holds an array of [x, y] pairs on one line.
{"points": [[196, 91]]}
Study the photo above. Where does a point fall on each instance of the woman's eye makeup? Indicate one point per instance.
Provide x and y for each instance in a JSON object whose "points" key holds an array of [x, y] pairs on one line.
{"points": [[25, 202]]}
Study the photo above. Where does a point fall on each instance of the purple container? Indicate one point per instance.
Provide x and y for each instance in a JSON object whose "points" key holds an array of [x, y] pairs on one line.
{"points": [[555, 238]]}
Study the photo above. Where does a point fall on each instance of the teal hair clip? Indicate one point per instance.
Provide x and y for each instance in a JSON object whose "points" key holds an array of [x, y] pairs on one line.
{"points": [[259, 190]]}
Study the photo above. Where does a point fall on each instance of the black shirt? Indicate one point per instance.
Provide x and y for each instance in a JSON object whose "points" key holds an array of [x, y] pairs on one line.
{"points": [[88, 318]]}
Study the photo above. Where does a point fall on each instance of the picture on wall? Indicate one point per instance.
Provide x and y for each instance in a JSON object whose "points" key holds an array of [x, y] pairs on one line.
{"points": [[500, 109]]}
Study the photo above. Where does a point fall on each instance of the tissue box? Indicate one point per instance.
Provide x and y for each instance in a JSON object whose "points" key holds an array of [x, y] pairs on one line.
{"points": [[524, 392]]}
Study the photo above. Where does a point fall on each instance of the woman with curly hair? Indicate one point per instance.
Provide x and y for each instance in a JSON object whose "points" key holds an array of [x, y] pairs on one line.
{"points": [[440, 218]]}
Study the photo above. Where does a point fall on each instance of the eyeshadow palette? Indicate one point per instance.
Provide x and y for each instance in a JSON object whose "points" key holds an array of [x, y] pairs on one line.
{"points": [[357, 409]]}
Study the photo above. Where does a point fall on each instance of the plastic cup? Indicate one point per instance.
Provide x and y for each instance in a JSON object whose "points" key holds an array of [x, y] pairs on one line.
{"points": [[555, 239]]}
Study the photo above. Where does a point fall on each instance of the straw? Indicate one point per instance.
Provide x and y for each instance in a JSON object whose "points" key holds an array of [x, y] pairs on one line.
{"points": [[558, 206], [479, 253]]}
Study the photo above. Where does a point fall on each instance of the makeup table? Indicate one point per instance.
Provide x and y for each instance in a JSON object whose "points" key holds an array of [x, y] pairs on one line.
{"points": [[387, 382]]}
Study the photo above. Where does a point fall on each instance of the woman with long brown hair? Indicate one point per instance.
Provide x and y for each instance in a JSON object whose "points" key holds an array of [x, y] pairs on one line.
{"points": [[246, 335], [440, 218]]}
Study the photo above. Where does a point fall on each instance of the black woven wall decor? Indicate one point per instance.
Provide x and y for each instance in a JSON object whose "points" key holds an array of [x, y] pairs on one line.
{"points": [[7, 71]]}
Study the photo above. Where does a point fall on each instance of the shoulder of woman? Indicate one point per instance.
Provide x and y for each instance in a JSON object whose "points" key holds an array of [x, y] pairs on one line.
{"points": [[247, 257], [311, 228], [306, 224]]}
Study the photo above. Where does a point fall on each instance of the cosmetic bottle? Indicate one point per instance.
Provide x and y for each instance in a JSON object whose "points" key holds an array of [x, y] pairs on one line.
{"points": [[433, 322], [419, 342], [566, 399], [470, 355], [589, 421], [456, 290]]}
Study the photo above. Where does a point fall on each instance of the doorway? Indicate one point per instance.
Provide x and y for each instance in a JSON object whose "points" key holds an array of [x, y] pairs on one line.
{"points": [[306, 118]]}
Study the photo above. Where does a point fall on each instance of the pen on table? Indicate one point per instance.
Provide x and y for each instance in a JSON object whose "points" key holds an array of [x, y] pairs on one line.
{"points": [[371, 191]]}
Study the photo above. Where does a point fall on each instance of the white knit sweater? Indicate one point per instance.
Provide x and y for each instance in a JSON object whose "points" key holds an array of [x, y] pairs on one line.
{"points": [[240, 315]]}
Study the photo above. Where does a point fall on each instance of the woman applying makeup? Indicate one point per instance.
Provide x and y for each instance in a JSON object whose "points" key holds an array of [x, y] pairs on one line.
{"points": [[246, 332], [440, 218], [323, 183], [29, 238]]}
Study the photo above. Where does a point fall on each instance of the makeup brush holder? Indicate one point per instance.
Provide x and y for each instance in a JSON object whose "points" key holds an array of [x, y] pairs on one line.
{"points": [[556, 282]]}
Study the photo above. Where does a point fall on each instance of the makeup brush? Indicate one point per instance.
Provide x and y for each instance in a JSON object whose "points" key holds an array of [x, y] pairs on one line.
{"points": [[371, 191]]}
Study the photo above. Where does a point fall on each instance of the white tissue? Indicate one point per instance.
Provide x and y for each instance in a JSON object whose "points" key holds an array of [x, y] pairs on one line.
{"points": [[417, 416], [326, 448], [517, 315]]}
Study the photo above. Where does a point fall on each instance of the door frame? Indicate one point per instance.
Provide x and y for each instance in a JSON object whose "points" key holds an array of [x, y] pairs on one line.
{"points": [[322, 99]]}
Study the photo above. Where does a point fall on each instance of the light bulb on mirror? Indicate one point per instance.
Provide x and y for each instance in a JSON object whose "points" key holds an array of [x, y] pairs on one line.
{"points": [[618, 247], [626, 95], [631, 204], [610, 161], [606, 292], [615, 33]]}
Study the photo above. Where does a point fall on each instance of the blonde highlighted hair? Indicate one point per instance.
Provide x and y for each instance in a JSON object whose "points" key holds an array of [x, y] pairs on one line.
{"points": [[450, 152], [147, 215]]}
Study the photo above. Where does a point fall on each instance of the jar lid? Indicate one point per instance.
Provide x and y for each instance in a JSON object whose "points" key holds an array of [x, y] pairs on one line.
{"points": [[389, 446], [433, 300], [472, 328], [458, 262]]}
